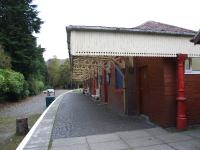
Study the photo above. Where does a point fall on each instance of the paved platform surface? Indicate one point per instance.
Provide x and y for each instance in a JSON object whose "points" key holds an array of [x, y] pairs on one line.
{"points": [[79, 116], [38, 138], [146, 139]]}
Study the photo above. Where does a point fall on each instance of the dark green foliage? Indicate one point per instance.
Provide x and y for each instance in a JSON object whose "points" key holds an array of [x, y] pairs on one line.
{"points": [[5, 60], [18, 21], [12, 84]]}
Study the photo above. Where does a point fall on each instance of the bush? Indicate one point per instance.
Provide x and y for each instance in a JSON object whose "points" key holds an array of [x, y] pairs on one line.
{"points": [[11, 84], [35, 86]]}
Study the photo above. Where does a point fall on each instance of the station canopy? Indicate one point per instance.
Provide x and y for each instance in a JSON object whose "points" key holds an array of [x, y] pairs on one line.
{"points": [[90, 46]]}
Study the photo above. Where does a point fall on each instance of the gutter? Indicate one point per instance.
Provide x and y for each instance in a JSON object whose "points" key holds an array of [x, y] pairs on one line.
{"points": [[124, 30]]}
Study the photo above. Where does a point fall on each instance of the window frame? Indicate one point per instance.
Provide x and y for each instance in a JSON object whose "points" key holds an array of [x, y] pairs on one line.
{"points": [[190, 71]]}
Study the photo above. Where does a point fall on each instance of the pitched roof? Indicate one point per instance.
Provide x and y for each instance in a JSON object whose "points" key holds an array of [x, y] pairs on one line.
{"points": [[148, 27], [161, 27]]}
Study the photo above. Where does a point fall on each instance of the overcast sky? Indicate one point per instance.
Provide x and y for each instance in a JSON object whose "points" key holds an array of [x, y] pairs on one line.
{"points": [[57, 14]]}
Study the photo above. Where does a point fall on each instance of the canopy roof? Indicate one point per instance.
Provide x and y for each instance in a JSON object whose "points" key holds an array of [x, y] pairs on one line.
{"points": [[147, 27], [151, 39]]}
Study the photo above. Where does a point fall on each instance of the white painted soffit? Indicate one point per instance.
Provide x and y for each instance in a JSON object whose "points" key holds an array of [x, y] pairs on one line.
{"points": [[85, 43]]}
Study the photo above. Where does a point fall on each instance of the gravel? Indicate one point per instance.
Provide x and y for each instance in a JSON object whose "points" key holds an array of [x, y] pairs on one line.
{"points": [[29, 106]]}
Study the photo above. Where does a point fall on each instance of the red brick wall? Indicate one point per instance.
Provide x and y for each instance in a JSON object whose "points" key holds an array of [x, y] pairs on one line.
{"points": [[157, 107], [170, 90], [192, 94], [163, 90]]}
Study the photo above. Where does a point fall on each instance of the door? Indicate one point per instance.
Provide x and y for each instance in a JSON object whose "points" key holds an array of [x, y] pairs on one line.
{"points": [[143, 90]]}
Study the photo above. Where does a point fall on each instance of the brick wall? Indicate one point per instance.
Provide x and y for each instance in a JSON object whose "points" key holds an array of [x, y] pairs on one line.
{"points": [[170, 91], [155, 106], [192, 94]]}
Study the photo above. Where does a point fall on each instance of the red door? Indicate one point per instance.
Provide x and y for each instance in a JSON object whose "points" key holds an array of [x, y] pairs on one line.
{"points": [[143, 90]]}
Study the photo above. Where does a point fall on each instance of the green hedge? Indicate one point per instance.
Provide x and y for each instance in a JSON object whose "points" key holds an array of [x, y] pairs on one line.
{"points": [[12, 84], [35, 86]]}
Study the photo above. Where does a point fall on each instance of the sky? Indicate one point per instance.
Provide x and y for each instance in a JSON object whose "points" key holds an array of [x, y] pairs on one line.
{"points": [[57, 14]]}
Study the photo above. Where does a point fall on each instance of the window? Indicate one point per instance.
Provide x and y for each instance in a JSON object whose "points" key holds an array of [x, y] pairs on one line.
{"points": [[192, 66], [118, 79]]}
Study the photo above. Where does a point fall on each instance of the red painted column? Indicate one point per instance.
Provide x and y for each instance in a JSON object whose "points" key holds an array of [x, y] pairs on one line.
{"points": [[105, 85], [181, 123], [94, 86]]}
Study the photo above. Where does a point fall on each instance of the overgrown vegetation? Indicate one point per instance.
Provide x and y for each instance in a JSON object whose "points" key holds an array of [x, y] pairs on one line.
{"points": [[22, 59], [59, 74]]}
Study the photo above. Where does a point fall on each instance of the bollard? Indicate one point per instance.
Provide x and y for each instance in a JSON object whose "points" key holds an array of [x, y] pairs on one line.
{"points": [[22, 126]]}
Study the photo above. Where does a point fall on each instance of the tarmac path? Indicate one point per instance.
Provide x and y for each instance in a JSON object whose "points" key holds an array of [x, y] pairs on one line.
{"points": [[31, 105], [78, 115]]}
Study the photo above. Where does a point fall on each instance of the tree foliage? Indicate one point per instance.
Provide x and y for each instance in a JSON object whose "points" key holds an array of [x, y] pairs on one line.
{"points": [[18, 21], [12, 84], [5, 60], [53, 72], [59, 74], [65, 73]]}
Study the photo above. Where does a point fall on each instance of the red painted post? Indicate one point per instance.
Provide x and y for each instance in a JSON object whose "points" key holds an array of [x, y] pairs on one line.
{"points": [[105, 85], [181, 123], [94, 86]]}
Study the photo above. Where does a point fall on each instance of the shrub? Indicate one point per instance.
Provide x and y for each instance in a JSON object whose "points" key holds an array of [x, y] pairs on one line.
{"points": [[35, 86], [11, 84]]}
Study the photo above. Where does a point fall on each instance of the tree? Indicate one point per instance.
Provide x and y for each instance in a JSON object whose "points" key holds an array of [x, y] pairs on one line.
{"points": [[59, 73], [18, 21], [5, 60], [53, 72], [65, 74]]}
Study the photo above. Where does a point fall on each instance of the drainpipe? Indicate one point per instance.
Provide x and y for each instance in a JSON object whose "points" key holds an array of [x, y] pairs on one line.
{"points": [[181, 100]]}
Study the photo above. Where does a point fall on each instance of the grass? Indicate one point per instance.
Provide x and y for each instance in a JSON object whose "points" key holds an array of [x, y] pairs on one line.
{"points": [[6, 121], [14, 141]]}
